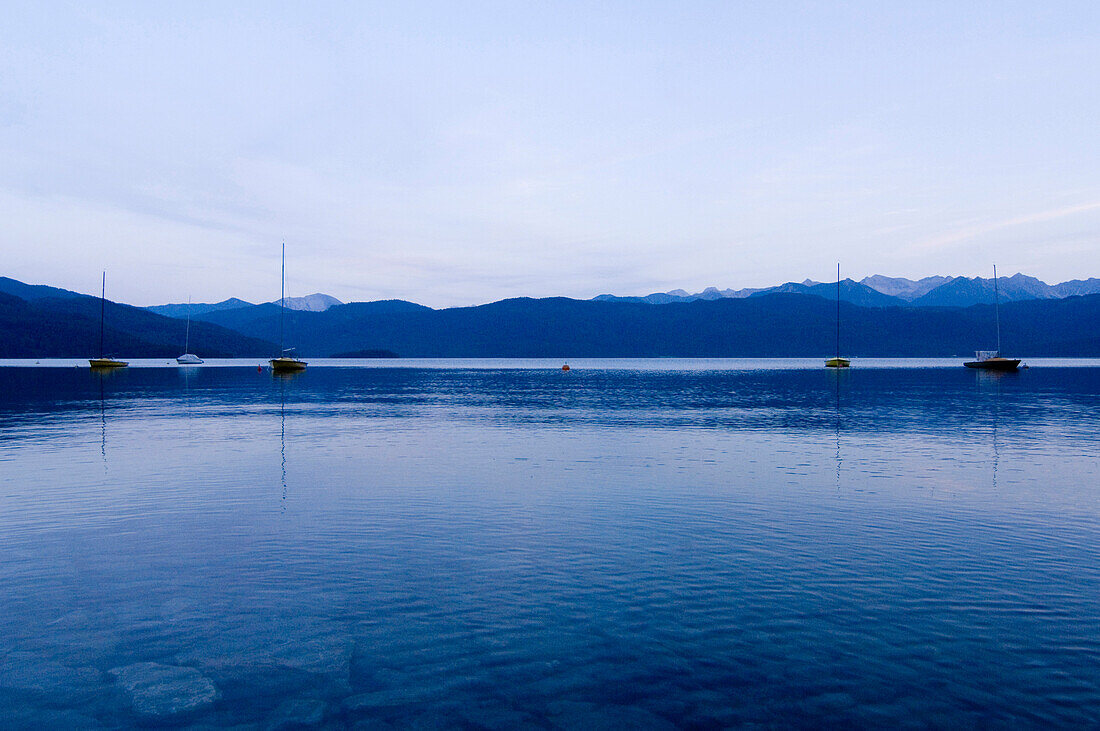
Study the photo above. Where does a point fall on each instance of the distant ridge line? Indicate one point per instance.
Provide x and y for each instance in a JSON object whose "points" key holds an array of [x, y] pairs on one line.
{"points": [[882, 291], [794, 321]]}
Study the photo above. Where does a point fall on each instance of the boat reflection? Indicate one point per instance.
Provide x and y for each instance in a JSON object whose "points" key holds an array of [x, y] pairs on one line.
{"points": [[993, 383], [102, 375], [838, 375], [282, 431], [103, 422]]}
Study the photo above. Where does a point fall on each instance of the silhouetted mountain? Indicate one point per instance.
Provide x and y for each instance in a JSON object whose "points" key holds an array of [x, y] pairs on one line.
{"points": [[762, 325], [309, 303], [902, 288], [680, 295], [768, 325], [197, 308], [68, 327], [315, 302], [809, 286], [1077, 287], [963, 292], [930, 291], [850, 291], [30, 292], [338, 324]]}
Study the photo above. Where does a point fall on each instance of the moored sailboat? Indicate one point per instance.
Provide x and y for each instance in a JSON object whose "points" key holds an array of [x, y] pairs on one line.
{"points": [[284, 363], [992, 360], [837, 362], [188, 358], [104, 362]]}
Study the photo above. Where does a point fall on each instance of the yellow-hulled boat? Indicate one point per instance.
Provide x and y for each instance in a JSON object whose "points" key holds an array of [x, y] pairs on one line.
{"points": [[104, 363], [284, 363], [837, 362], [287, 365]]}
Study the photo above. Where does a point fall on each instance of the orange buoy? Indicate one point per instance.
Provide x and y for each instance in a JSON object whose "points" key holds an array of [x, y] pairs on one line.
{"points": [[565, 367]]}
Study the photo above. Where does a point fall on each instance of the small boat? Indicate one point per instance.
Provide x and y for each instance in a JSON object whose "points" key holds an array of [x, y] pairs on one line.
{"points": [[992, 360], [837, 362], [104, 362], [284, 363], [287, 364], [188, 358]]}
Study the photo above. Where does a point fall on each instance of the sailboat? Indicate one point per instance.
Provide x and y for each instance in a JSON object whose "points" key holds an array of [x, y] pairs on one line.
{"points": [[284, 363], [104, 362], [837, 362], [991, 360], [188, 358]]}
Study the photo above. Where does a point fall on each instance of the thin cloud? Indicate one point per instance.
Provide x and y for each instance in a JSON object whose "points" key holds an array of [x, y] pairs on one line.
{"points": [[971, 232]]}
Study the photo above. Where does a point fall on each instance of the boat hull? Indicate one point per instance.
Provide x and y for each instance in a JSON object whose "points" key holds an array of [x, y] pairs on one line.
{"points": [[837, 363], [287, 365], [189, 359], [994, 364], [106, 363]]}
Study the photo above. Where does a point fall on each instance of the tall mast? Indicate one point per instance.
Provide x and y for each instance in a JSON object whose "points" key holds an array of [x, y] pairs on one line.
{"points": [[838, 309], [102, 310], [187, 336], [282, 301], [997, 308]]}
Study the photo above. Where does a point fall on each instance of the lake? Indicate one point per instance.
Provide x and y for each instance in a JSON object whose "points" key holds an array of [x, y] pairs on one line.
{"points": [[501, 544]]}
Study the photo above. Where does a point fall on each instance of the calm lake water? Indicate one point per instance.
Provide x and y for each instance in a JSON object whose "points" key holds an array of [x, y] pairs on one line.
{"points": [[631, 544]]}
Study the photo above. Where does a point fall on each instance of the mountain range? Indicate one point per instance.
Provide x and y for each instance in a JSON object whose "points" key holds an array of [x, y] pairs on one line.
{"points": [[316, 302], [46, 322], [882, 291], [778, 324], [797, 319]]}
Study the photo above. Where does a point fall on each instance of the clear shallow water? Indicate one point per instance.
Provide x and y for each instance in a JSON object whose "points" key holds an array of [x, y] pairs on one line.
{"points": [[489, 545]]}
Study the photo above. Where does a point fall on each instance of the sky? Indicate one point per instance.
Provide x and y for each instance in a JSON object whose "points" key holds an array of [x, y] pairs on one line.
{"points": [[459, 153]]}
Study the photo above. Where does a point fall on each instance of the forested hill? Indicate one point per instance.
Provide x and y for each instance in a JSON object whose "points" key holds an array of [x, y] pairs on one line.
{"points": [[68, 327], [38, 321], [774, 325]]}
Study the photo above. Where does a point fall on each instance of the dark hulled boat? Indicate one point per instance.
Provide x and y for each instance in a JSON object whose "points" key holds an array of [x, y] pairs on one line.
{"points": [[284, 363], [991, 360]]}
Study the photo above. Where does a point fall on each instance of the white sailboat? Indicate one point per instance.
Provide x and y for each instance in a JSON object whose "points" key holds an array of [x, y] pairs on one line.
{"points": [[188, 358]]}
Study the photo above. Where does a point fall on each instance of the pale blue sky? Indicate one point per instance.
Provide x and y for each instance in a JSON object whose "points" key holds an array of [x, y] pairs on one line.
{"points": [[457, 153]]}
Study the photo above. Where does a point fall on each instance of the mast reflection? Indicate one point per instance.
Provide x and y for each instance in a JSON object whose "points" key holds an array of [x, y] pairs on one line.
{"points": [[101, 376], [837, 374], [283, 379], [992, 382]]}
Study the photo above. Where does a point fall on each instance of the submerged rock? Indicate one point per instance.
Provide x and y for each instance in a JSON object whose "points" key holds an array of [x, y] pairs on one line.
{"points": [[165, 690]]}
